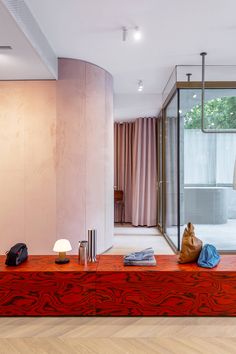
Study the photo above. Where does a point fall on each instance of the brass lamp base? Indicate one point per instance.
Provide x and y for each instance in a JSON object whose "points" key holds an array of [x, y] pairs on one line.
{"points": [[62, 258]]}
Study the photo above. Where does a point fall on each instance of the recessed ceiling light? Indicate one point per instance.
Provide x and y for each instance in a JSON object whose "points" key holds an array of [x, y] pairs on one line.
{"points": [[194, 96], [140, 85], [137, 34], [5, 47]]}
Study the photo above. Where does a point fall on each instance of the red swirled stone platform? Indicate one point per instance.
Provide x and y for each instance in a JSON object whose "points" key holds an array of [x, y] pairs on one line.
{"points": [[39, 287]]}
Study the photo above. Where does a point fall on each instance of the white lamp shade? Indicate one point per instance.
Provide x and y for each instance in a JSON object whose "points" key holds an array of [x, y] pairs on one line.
{"points": [[62, 245]]}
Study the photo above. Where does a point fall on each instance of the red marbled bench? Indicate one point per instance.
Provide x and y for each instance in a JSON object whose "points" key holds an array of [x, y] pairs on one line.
{"points": [[39, 287]]}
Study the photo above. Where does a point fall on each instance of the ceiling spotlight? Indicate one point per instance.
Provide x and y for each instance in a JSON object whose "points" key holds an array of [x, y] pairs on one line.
{"points": [[137, 34], [140, 86]]}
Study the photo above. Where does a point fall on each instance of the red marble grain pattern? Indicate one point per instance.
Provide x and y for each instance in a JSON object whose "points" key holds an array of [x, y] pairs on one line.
{"points": [[39, 287], [166, 294], [169, 289], [165, 263], [47, 264], [47, 293]]}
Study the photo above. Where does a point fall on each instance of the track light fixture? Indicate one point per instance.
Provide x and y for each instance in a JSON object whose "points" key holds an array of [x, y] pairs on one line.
{"points": [[140, 86], [137, 34], [124, 33]]}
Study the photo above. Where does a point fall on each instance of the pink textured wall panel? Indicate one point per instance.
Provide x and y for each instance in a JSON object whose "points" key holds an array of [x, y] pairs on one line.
{"points": [[85, 162], [108, 164], [71, 148], [56, 153], [95, 126], [27, 168]]}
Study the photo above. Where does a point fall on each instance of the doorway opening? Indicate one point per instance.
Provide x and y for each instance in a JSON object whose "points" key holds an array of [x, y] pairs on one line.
{"points": [[135, 186]]}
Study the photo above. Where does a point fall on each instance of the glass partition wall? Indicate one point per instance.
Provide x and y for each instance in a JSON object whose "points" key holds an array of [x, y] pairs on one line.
{"points": [[160, 172], [199, 182], [171, 129]]}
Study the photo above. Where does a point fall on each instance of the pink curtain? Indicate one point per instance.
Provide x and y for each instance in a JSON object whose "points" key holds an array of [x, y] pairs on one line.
{"points": [[144, 200], [136, 170], [123, 138]]}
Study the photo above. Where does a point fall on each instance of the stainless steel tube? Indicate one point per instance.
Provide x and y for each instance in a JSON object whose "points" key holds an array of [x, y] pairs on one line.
{"points": [[83, 252], [203, 55], [92, 245]]}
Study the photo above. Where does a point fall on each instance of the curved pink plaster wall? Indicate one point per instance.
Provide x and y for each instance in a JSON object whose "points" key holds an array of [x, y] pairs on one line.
{"points": [[56, 153], [85, 152]]}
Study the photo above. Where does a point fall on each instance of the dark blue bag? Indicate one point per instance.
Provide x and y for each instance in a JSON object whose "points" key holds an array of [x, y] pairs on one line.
{"points": [[209, 257]]}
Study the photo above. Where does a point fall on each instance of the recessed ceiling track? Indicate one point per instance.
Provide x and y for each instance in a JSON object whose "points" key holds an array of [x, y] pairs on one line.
{"points": [[28, 25], [5, 47]]}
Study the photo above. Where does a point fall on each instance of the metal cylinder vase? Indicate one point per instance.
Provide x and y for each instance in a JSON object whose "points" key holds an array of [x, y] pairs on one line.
{"points": [[92, 245], [83, 253]]}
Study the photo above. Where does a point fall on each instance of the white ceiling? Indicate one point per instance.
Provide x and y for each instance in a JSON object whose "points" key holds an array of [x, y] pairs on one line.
{"points": [[174, 32], [22, 62], [131, 106]]}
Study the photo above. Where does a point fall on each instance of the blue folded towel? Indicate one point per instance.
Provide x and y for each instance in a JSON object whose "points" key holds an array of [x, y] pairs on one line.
{"points": [[146, 254]]}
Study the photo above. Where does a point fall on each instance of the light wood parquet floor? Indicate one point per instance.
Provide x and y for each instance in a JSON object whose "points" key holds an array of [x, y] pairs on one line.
{"points": [[118, 335]]}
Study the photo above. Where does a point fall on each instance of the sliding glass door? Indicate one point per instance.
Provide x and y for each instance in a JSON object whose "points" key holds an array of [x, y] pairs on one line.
{"points": [[171, 172], [208, 165], [160, 192], [199, 167]]}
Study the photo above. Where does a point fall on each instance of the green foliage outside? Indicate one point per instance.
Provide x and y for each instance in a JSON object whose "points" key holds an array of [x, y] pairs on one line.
{"points": [[220, 113]]}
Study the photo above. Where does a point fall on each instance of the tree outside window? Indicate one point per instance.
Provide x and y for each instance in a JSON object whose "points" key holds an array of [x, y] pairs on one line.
{"points": [[220, 113]]}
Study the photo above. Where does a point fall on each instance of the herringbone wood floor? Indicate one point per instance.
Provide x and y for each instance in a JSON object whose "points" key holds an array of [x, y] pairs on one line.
{"points": [[118, 335]]}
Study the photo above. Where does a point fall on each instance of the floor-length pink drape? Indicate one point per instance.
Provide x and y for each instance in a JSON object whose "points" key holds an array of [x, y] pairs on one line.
{"points": [[136, 170], [123, 138], [144, 196]]}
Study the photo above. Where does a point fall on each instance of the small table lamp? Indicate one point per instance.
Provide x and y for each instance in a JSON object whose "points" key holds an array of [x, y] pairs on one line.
{"points": [[62, 246]]}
